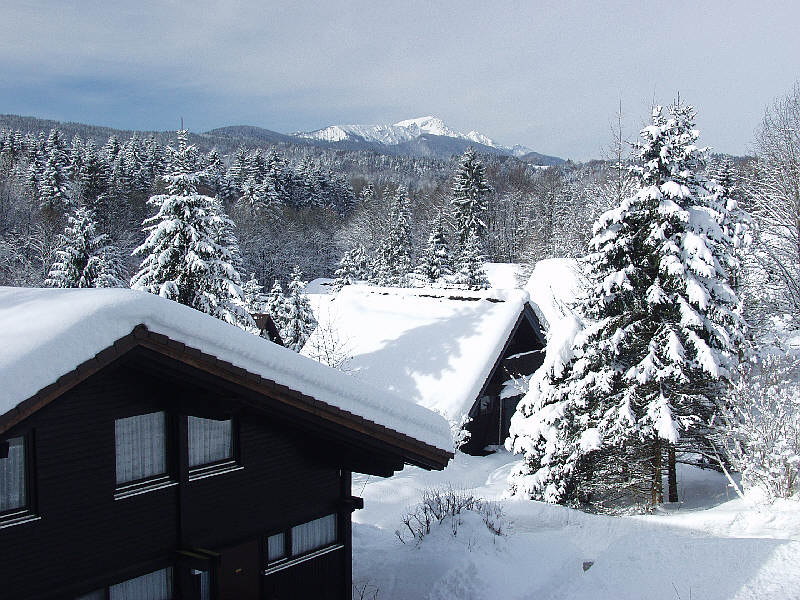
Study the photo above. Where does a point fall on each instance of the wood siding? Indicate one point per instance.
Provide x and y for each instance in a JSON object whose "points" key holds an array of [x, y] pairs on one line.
{"points": [[85, 539]]}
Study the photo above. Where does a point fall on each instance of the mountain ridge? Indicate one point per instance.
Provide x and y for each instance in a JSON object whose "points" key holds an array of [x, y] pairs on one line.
{"points": [[432, 138]]}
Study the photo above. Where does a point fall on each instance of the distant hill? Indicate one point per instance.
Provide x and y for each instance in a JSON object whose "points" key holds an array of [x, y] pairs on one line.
{"points": [[425, 137]]}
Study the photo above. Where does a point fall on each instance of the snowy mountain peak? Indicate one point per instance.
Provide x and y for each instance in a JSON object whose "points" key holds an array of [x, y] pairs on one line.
{"points": [[410, 130], [397, 133]]}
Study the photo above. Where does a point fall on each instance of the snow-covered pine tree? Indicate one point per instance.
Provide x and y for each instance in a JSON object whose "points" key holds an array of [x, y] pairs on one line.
{"points": [[392, 262], [299, 320], [93, 175], [85, 258], [187, 254], [275, 305], [437, 261], [352, 267], [254, 299], [53, 187], [662, 345], [470, 191], [471, 273]]}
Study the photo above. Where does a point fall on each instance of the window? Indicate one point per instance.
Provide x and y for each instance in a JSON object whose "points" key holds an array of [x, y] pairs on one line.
{"points": [[153, 586], [276, 547], [141, 447], [314, 534], [210, 441], [13, 493]]}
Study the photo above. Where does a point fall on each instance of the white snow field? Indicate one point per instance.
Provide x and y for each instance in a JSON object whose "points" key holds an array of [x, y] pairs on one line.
{"points": [[710, 548]]}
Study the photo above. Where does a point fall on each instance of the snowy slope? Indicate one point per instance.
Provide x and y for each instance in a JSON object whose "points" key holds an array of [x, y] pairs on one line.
{"points": [[433, 346], [404, 131], [711, 548], [46, 333]]}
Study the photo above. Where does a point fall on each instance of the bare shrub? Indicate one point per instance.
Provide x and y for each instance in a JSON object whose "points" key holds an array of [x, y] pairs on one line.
{"points": [[445, 506]]}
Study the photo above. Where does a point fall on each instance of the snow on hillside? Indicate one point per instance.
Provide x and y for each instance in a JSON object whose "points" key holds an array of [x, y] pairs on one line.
{"points": [[403, 131], [711, 548]]}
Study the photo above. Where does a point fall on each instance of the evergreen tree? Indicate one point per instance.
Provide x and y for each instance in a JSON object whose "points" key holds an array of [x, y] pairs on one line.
{"points": [[85, 257], [276, 305], [53, 187], [299, 321], [352, 267], [188, 253], [647, 373], [437, 262], [253, 295], [470, 191], [393, 257], [94, 175], [470, 273]]}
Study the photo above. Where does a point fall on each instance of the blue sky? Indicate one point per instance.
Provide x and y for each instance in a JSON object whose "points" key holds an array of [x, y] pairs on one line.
{"points": [[549, 75]]}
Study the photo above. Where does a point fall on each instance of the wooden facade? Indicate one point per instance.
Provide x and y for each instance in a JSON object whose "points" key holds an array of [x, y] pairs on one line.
{"points": [[291, 464], [522, 354]]}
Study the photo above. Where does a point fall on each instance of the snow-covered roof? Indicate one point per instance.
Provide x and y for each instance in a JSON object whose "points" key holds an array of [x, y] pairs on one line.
{"points": [[433, 346], [47, 333], [555, 286]]}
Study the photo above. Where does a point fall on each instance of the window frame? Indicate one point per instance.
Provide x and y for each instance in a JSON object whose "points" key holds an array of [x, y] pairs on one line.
{"points": [[27, 512], [289, 558], [153, 482], [106, 589], [218, 467]]}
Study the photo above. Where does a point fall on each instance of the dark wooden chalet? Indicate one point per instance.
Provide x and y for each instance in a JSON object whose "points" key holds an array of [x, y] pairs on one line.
{"points": [[453, 351], [492, 409], [157, 465]]}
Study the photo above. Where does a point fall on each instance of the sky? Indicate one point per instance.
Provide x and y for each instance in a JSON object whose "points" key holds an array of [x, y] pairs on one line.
{"points": [[548, 75]]}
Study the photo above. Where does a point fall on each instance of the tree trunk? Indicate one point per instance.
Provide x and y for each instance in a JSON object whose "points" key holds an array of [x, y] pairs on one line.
{"points": [[657, 489], [672, 475]]}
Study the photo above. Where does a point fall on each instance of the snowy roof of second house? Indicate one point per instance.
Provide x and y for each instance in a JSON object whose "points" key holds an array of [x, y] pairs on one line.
{"points": [[436, 347], [556, 286], [47, 333]]}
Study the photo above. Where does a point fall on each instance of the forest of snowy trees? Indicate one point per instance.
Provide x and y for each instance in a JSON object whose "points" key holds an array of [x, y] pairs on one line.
{"points": [[693, 261]]}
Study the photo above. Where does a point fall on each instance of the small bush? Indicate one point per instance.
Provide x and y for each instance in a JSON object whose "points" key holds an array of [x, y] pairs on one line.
{"points": [[445, 505]]}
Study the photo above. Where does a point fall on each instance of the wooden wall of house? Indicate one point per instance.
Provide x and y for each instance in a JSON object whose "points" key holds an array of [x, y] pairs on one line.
{"points": [[491, 415], [85, 539]]}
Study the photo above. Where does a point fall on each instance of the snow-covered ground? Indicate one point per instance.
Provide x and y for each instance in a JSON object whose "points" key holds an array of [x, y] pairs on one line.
{"points": [[715, 546]]}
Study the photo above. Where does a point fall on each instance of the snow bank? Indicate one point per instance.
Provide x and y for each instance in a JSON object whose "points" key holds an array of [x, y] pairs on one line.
{"points": [[435, 347], [710, 548], [45, 333]]}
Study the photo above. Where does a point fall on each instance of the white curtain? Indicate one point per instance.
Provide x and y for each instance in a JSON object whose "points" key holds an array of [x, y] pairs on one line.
{"points": [[314, 534], [276, 547], [153, 586], [141, 447], [12, 476], [209, 441]]}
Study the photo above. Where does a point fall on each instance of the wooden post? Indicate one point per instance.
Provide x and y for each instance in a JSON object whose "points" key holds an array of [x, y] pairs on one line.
{"points": [[672, 475]]}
